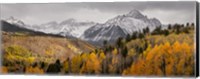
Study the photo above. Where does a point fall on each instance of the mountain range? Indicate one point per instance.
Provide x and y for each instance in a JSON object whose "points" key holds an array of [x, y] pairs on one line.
{"points": [[92, 32]]}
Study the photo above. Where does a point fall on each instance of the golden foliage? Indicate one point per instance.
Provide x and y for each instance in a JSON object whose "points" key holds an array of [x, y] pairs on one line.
{"points": [[76, 63], [165, 60], [102, 56], [16, 50], [73, 48], [18, 53], [66, 66], [131, 52], [31, 59], [93, 64], [40, 45], [115, 52], [34, 70], [4, 70], [113, 65], [84, 57]]}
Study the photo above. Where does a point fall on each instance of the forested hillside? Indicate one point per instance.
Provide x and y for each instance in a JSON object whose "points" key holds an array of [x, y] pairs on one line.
{"points": [[21, 49], [162, 52]]}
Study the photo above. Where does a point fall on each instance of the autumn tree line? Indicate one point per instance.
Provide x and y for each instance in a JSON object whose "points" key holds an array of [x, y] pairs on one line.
{"points": [[136, 55]]}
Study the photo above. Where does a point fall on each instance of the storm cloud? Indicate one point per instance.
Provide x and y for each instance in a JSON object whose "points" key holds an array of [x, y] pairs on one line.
{"points": [[38, 13]]}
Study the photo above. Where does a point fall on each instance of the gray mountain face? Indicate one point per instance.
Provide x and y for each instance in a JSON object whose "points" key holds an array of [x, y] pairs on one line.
{"points": [[119, 26], [107, 33]]}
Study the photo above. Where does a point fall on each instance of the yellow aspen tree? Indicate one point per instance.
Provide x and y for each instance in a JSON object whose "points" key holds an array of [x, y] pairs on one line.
{"points": [[93, 64], [76, 63]]}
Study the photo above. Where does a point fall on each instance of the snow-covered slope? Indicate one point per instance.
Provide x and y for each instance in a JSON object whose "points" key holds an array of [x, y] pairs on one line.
{"points": [[14, 21], [69, 27], [73, 28], [127, 23], [133, 21], [50, 27]]}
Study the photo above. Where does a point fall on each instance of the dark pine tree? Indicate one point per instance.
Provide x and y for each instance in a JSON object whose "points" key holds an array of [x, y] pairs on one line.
{"points": [[169, 26], [141, 35], [166, 32], [54, 68], [128, 37], [119, 42], [105, 42], [134, 35], [187, 24], [125, 52]]}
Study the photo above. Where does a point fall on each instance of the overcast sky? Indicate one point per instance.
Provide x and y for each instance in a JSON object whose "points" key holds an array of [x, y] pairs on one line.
{"points": [[166, 12]]}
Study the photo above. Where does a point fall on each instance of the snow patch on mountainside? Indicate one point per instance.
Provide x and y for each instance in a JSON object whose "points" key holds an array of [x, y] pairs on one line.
{"points": [[74, 28]]}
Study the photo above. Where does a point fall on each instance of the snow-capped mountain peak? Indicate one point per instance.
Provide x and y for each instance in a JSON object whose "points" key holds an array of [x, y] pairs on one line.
{"points": [[132, 21], [15, 21], [135, 13], [128, 23]]}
